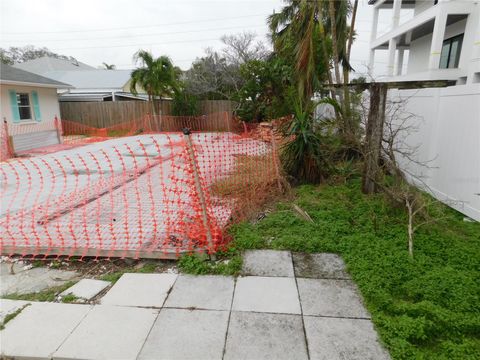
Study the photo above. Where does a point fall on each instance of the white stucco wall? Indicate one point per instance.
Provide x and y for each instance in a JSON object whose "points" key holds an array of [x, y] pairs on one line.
{"points": [[418, 55], [420, 48], [49, 108], [447, 139], [422, 5]]}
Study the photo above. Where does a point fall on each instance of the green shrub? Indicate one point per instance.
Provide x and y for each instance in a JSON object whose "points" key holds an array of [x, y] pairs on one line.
{"points": [[185, 104]]}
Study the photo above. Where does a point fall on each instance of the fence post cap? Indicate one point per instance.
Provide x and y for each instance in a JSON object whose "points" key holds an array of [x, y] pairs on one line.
{"points": [[186, 131]]}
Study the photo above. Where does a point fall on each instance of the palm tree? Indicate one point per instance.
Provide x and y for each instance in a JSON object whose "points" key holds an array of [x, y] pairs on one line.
{"points": [[316, 36], [298, 34], [157, 76]]}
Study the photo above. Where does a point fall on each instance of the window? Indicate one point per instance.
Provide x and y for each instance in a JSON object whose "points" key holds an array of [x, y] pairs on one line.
{"points": [[451, 50], [23, 102]]}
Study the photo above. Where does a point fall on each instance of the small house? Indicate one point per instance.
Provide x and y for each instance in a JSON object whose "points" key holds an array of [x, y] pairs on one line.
{"points": [[29, 106]]}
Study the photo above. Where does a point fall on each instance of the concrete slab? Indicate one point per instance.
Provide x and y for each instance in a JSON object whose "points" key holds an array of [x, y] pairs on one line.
{"points": [[265, 336], [148, 290], [86, 288], [109, 332], [10, 306], [337, 298], [186, 334], [266, 294], [339, 339], [319, 266], [39, 330], [202, 292], [26, 280], [267, 263]]}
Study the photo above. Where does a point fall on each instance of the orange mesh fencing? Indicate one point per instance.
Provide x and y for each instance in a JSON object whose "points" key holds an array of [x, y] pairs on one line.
{"points": [[144, 194], [78, 133]]}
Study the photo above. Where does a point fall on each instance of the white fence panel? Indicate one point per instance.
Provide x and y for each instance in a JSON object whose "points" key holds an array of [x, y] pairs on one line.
{"points": [[447, 139]]}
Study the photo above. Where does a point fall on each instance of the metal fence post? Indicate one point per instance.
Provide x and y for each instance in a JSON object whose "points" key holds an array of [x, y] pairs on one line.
{"points": [[198, 187]]}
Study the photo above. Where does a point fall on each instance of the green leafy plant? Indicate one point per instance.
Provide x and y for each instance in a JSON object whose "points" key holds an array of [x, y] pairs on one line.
{"points": [[185, 104], [200, 265], [304, 154]]}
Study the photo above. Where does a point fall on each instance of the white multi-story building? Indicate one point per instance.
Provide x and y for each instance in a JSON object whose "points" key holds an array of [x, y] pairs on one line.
{"points": [[442, 38]]}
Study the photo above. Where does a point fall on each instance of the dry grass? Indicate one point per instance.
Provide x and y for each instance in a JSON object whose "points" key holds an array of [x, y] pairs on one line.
{"points": [[254, 183]]}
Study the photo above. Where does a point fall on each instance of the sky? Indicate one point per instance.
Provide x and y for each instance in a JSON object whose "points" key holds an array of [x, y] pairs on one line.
{"points": [[111, 31]]}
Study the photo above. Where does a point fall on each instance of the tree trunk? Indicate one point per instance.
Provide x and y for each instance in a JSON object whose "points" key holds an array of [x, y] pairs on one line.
{"points": [[333, 30], [352, 29], [325, 54], [373, 137], [152, 104], [346, 91], [336, 61]]}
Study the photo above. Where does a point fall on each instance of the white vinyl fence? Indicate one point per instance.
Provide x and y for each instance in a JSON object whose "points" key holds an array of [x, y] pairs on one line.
{"points": [[444, 130]]}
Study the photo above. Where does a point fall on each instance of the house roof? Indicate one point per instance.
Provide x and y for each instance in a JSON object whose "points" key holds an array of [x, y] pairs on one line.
{"points": [[99, 96], [11, 75], [92, 79], [44, 64]]}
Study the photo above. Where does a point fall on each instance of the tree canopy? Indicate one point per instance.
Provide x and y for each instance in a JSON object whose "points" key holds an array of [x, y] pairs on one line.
{"points": [[15, 55], [157, 76]]}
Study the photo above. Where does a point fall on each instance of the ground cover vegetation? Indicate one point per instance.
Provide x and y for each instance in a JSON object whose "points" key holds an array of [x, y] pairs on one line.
{"points": [[415, 260], [423, 308]]}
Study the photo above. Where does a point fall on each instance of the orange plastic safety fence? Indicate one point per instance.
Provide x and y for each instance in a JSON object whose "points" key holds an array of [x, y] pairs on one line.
{"points": [[144, 195]]}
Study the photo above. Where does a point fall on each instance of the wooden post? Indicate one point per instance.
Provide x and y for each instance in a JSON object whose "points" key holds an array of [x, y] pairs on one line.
{"points": [[276, 162], [8, 140], [374, 136], [198, 187], [58, 127]]}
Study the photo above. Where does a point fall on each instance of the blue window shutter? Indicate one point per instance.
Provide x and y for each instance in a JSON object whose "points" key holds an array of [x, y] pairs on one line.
{"points": [[36, 106], [14, 106]]}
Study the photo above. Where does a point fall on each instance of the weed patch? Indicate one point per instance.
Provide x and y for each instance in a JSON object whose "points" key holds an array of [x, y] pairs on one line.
{"points": [[427, 307], [49, 294], [229, 264], [11, 316], [254, 182]]}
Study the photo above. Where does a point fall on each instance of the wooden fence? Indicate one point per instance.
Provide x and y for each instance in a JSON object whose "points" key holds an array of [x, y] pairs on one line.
{"points": [[109, 113]]}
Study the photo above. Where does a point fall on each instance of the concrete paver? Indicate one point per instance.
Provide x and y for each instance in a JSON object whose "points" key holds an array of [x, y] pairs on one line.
{"points": [[320, 266], [323, 297], [87, 288], [339, 339], [205, 317], [265, 336], [26, 281], [39, 330], [10, 306], [266, 294], [267, 263], [187, 334], [202, 292], [109, 332], [148, 290]]}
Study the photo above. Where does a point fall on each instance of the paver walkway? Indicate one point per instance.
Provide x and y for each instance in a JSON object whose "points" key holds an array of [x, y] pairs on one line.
{"points": [[285, 307]]}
